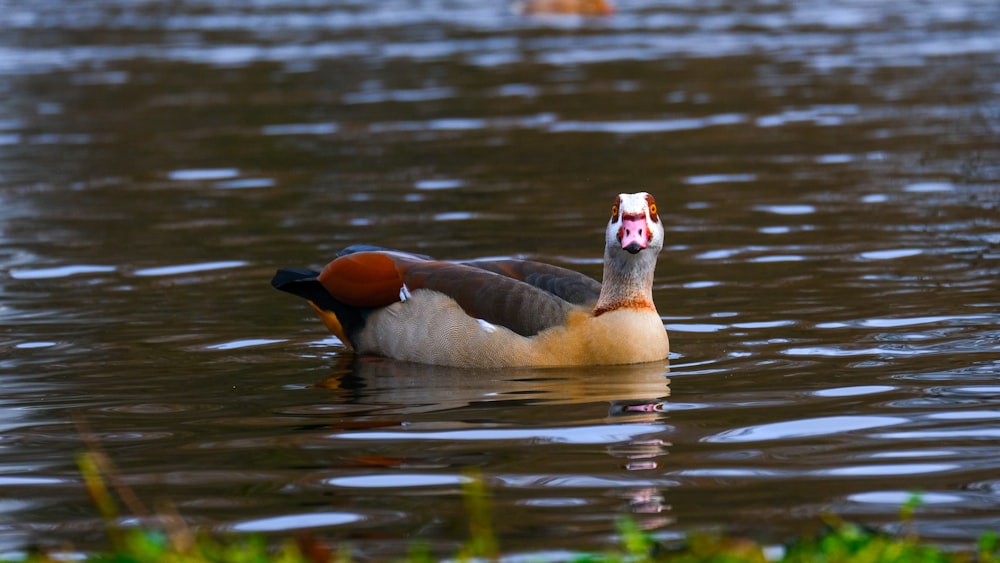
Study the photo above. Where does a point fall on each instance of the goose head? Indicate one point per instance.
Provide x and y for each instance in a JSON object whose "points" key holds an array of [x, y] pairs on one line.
{"points": [[634, 226], [633, 239]]}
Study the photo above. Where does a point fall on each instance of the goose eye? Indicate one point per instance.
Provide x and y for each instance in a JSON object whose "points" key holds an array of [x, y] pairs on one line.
{"points": [[614, 212], [652, 207]]}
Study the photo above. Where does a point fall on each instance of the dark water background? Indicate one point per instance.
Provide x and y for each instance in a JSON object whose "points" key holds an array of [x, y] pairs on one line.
{"points": [[829, 173]]}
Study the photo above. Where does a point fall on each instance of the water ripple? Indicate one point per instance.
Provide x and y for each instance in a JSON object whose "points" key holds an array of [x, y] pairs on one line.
{"points": [[397, 480], [929, 187], [834, 351], [900, 498], [59, 271], [719, 179], [438, 184], [203, 174], [245, 343], [602, 434], [645, 126], [563, 480], [296, 522], [888, 469], [890, 254], [803, 428], [190, 268], [300, 129], [790, 209], [853, 391]]}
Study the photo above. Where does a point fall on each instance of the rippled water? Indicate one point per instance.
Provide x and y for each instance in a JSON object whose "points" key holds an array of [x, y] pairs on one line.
{"points": [[831, 176]]}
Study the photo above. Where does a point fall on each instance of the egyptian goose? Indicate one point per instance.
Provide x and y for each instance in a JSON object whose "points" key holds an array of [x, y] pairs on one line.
{"points": [[496, 313], [563, 7]]}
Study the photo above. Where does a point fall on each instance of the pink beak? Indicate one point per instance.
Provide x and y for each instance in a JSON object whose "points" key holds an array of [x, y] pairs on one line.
{"points": [[634, 234]]}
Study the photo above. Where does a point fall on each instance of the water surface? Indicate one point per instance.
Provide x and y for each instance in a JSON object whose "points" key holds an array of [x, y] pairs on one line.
{"points": [[829, 175]]}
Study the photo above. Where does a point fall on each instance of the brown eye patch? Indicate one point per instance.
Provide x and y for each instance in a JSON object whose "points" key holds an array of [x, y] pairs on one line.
{"points": [[652, 207], [614, 209]]}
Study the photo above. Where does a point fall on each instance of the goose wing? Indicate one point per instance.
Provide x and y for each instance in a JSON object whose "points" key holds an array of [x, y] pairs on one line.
{"points": [[525, 297]]}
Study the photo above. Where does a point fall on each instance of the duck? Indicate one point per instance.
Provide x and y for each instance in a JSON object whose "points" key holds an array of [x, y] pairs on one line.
{"points": [[588, 8], [496, 313]]}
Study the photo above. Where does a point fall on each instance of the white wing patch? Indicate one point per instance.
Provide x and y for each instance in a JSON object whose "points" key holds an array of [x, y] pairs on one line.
{"points": [[404, 293], [488, 327]]}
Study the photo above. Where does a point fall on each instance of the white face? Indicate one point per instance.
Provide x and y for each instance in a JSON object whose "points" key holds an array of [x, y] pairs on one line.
{"points": [[635, 226]]}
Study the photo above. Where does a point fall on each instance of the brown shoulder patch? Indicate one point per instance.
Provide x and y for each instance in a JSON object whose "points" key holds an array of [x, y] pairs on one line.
{"points": [[363, 279]]}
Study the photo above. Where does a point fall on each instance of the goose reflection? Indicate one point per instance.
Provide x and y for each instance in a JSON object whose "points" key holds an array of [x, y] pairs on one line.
{"points": [[637, 390], [414, 420]]}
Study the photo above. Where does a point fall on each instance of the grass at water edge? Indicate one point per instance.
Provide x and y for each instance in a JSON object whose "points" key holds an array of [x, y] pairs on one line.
{"points": [[173, 541]]}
